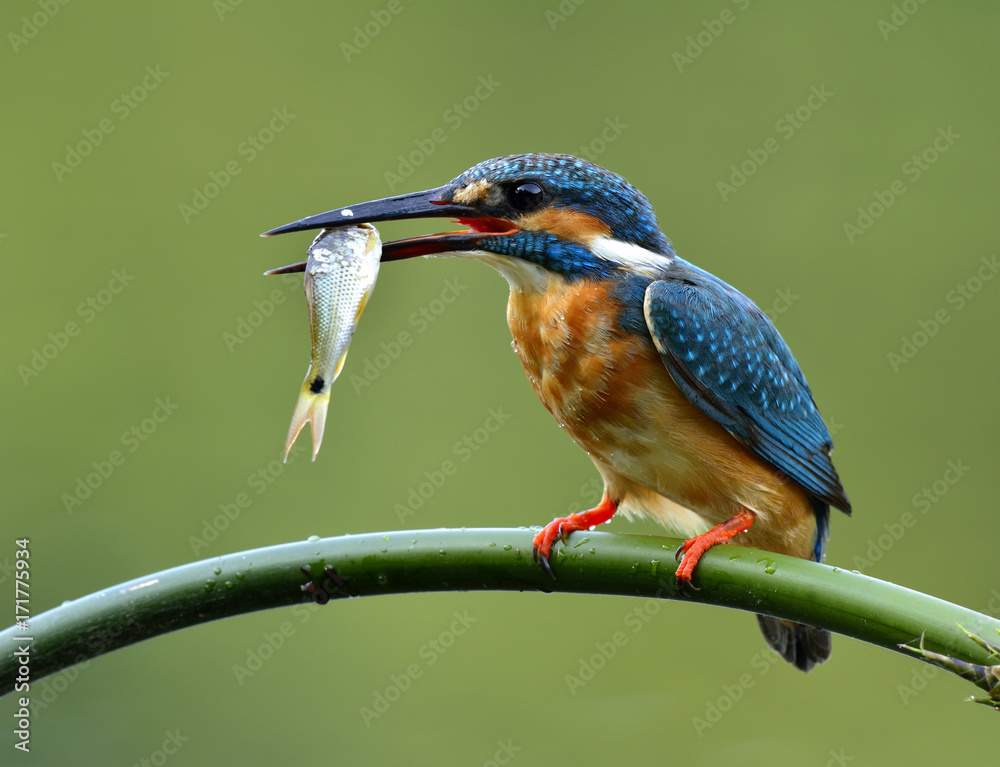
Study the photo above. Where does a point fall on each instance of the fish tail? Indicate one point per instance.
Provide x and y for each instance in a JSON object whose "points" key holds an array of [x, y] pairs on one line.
{"points": [[310, 407]]}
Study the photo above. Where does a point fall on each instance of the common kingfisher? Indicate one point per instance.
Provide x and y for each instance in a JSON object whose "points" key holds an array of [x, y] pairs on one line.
{"points": [[680, 389]]}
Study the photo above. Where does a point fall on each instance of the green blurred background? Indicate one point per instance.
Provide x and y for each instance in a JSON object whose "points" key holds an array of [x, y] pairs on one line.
{"points": [[170, 307]]}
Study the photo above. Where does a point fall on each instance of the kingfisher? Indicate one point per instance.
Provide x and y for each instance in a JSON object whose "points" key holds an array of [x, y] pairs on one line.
{"points": [[678, 387]]}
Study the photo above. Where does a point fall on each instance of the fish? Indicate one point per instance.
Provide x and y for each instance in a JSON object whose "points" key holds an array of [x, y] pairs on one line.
{"points": [[340, 276]]}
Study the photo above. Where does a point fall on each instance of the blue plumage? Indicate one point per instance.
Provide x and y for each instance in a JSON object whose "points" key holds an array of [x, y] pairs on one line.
{"points": [[729, 360], [579, 185], [722, 351], [569, 259]]}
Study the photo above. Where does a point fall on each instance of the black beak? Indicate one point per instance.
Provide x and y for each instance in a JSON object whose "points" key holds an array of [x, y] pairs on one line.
{"points": [[428, 204], [432, 203]]}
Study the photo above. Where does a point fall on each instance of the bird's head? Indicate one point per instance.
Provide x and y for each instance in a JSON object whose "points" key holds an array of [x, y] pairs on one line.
{"points": [[525, 214]]}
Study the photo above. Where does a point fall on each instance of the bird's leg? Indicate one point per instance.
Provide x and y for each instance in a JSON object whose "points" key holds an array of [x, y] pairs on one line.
{"points": [[560, 527], [693, 548]]}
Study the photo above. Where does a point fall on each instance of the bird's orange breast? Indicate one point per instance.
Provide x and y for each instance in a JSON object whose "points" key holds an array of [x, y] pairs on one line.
{"points": [[610, 391], [585, 370], [605, 386]]}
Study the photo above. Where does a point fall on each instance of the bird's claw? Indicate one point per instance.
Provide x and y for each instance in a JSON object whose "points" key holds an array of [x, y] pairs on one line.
{"points": [[543, 560], [689, 553], [545, 540], [682, 549], [685, 587], [685, 571], [560, 528]]}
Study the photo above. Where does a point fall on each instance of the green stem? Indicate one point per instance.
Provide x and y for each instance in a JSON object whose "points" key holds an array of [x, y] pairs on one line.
{"points": [[488, 559]]}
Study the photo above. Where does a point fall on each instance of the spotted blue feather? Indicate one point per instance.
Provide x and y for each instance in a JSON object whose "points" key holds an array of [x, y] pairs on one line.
{"points": [[729, 360]]}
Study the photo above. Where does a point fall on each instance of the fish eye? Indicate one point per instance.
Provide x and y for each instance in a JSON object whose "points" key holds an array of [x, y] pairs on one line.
{"points": [[525, 196]]}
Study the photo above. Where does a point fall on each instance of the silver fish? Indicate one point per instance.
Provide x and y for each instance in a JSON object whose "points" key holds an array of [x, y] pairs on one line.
{"points": [[340, 275]]}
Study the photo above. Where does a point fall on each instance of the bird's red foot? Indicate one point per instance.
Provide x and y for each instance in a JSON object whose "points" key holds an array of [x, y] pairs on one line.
{"points": [[560, 527], [693, 548]]}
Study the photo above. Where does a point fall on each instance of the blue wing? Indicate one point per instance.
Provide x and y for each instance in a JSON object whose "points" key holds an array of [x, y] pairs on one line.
{"points": [[729, 360]]}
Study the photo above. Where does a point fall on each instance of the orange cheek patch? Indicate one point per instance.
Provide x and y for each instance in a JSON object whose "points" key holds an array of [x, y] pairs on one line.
{"points": [[567, 224]]}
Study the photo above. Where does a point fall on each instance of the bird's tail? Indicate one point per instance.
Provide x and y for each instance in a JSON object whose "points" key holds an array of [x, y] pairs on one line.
{"points": [[802, 646], [311, 406]]}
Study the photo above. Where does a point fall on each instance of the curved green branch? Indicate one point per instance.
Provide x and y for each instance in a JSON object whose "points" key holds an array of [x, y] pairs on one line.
{"points": [[489, 559]]}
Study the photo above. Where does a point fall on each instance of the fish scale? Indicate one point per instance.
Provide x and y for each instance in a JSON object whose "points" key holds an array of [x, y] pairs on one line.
{"points": [[340, 275]]}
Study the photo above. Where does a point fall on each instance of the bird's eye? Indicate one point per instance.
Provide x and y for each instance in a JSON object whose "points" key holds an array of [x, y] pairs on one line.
{"points": [[525, 197]]}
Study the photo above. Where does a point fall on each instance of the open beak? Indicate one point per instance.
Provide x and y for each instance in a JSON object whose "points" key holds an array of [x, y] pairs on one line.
{"points": [[432, 203]]}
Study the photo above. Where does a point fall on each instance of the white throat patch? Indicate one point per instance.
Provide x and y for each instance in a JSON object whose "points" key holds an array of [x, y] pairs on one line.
{"points": [[638, 259], [522, 276]]}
